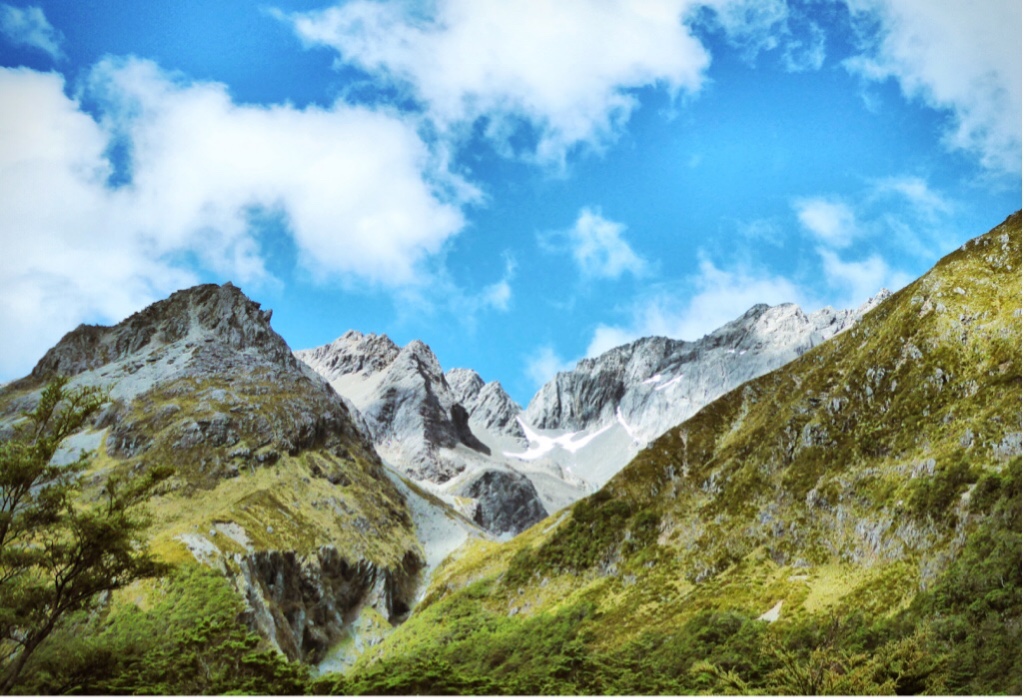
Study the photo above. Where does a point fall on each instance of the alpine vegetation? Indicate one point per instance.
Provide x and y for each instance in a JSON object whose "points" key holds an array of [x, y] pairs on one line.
{"points": [[822, 503]]}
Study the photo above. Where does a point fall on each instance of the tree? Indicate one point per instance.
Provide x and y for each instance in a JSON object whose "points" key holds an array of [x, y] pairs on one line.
{"points": [[58, 552]]}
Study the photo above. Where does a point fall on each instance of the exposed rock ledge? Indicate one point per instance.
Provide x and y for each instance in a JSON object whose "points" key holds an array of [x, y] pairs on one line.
{"points": [[304, 604]]}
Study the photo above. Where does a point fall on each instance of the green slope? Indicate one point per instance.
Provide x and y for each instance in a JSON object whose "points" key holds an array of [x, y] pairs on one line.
{"points": [[864, 499]]}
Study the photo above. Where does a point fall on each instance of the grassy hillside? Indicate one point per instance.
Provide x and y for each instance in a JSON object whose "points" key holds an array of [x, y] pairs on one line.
{"points": [[849, 523]]}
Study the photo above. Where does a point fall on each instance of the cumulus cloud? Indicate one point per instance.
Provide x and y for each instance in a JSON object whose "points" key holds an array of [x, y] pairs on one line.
{"points": [[597, 246], [28, 26], [705, 302], [357, 187], [955, 56], [362, 196], [829, 220], [496, 296], [565, 68]]}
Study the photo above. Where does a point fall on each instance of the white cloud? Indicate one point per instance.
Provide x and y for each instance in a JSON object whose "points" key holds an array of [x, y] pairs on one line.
{"points": [[804, 54], [954, 55], [498, 296], [829, 220], [543, 364], [363, 196], [711, 298], [597, 247], [917, 192], [564, 67], [357, 187], [751, 25], [858, 281], [28, 26]]}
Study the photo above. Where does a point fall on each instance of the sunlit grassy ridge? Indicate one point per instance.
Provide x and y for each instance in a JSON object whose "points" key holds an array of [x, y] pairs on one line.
{"points": [[841, 485]]}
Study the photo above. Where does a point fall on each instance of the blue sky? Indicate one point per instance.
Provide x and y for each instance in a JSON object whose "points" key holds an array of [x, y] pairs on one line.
{"points": [[518, 184]]}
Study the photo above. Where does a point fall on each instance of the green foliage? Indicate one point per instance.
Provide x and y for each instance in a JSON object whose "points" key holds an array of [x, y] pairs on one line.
{"points": [[58, 553], [933, 496], [975, 607], [592, 536], [191, 641]]}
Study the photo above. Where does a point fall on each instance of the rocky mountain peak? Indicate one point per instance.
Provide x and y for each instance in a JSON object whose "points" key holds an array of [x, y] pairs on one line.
{"points": [[487, 403], [199, 316], [465, 383], [417, 356], [656, 382], [352, 352]]}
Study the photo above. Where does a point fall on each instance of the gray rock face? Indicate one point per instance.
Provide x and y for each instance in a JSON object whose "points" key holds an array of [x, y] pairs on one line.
{"points": [[352, 352], [427, 423], [487, 403], [655, 383], [415, 410], [222, 317], [579, 429], [506, 501], [211, 348], [303, 605]]}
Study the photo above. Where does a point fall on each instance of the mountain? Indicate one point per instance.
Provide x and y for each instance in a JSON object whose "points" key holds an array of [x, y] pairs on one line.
{"points": [[593, 419], [848, 523], [441, 433], [274, 484], [507, 468]]}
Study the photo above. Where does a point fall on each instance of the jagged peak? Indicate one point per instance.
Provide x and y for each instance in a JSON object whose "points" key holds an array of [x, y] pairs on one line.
{"points": [[418, 354], [352, 352], [465, 383], [206, 313]]}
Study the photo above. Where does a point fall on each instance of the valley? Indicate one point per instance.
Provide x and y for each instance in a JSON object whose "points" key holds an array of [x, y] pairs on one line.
{"points": [[798, 502]]}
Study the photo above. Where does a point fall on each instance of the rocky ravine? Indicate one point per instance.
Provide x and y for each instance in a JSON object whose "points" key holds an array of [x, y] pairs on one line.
{"points": [[274, 483]]}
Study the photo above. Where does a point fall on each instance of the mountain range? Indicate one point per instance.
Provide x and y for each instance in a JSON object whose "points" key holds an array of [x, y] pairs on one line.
{"points": [[373, 512], [507, 468]]}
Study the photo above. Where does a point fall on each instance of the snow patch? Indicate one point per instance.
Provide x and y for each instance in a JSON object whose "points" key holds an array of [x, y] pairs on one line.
{"points": [[656, 378], [546, 444], [622, 421], [669, 384]]}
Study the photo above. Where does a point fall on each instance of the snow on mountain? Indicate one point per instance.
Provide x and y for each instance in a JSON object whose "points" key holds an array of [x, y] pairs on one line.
{"points": [[594, 418], [439, 429]]}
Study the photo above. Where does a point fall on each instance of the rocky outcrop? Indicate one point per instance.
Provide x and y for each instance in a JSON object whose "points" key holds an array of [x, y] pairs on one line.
{"points": [[431, 425], [215, 317], [201, 379], [352, 352], [304, 604], [414, 410], [487, 403], [507, 503]]}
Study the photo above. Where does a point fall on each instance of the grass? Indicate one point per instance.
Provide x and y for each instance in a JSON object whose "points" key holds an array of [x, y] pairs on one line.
{"points": [[835, 485]]}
